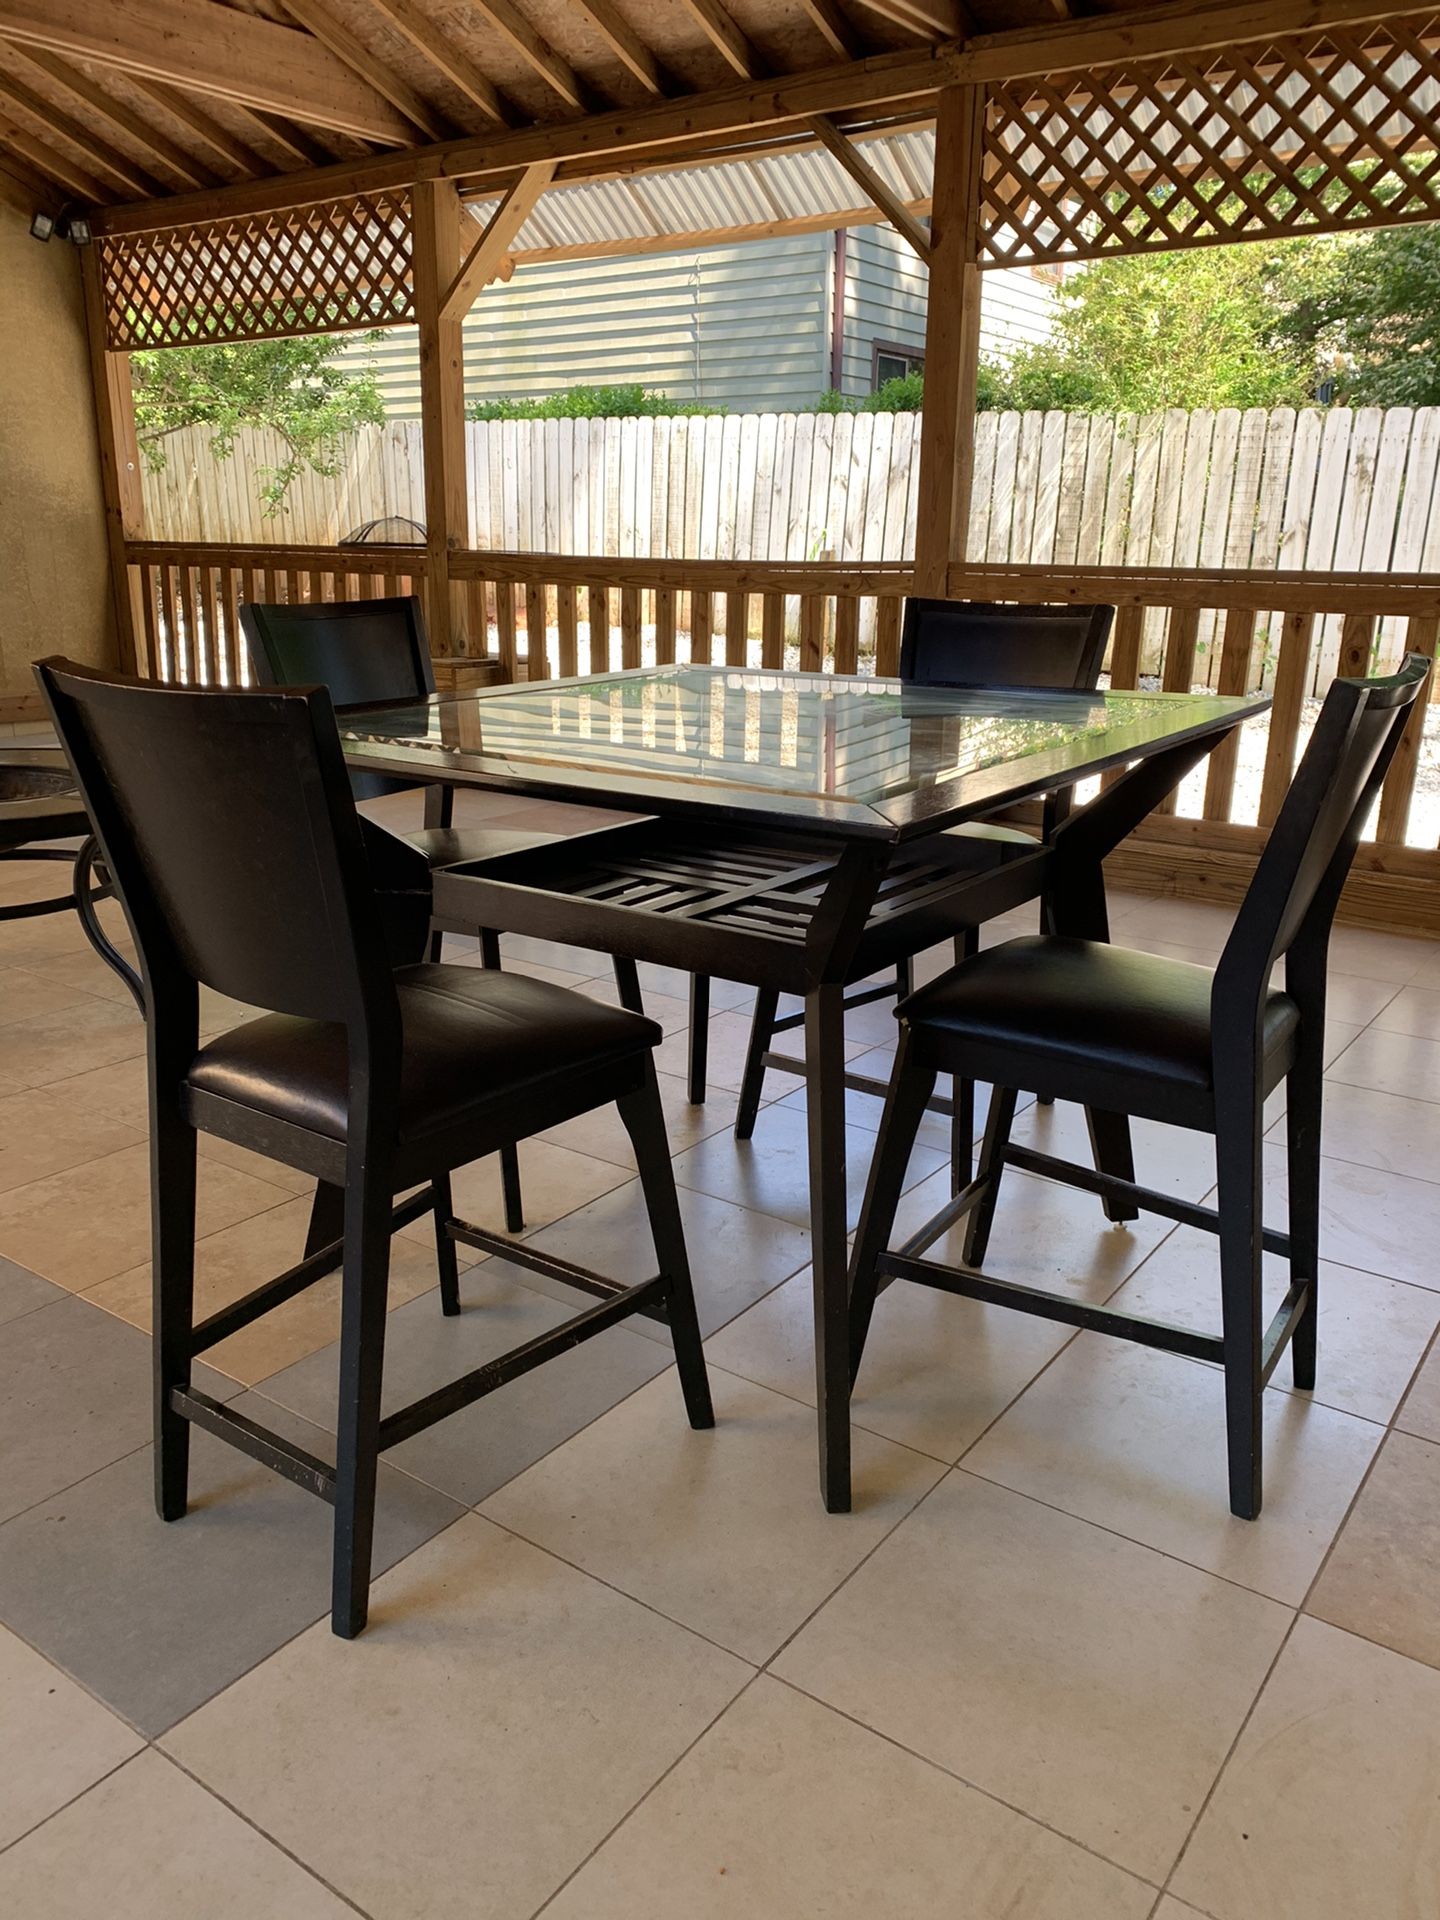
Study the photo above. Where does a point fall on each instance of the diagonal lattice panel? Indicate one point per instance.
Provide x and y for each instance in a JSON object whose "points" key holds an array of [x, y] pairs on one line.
{"points": [[328, 268], [1333, 129]]}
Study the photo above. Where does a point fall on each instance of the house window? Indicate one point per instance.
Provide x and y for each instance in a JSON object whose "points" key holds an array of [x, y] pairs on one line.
{"points": [[889, 362]]}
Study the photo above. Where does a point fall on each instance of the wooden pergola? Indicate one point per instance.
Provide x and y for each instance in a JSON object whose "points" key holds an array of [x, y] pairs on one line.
{"points": [[263, 169]]}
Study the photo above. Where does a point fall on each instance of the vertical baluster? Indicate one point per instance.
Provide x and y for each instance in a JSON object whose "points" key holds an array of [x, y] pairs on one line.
{"points": [[597, 603], [505, 625], [1181, 638], [171, 652], [1237, 651], [154, 666], [315, 586], [208, 594], [847, 634], [813, 607], [537, 665], [1357, 646], [630, 627], [772, 632], [1292, 672], [887, 636], [664, 626], [1421, 631], [737, 617], [567, 623], [1125, 644], [701, 629], [234, 659]]}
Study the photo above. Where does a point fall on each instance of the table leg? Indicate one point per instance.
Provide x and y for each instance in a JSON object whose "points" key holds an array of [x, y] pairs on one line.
{"points": [[825, 1112]]}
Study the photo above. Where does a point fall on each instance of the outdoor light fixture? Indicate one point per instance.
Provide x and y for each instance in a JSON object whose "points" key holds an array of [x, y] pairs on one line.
{"points": [[42, 225], [78, 226], [65, 226]]}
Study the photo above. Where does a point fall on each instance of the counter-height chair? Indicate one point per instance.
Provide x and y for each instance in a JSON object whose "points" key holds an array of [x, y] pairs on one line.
{"points": [[227, 822], [955, 643], [376, 652], [1133, 1033]]}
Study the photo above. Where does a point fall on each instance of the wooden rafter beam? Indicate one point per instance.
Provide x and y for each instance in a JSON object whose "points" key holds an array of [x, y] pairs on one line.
{"points": [[294, 140], [490, 251], [212, 49], [706, 236], [458, 68], [872, 185], [216, 135], [27, 190], [897, 83], [420, 113], [52, 164], [98, 152], [157, 144], [726, 37], [625, 43], [934, 19], [841, 38], [534, 50]]}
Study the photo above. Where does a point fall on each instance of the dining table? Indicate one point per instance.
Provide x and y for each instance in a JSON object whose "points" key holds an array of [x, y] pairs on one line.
{"points": [[792, 831]]}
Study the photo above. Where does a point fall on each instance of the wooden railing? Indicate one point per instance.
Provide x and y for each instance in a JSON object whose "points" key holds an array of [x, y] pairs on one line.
{"points": [[537, 616]]}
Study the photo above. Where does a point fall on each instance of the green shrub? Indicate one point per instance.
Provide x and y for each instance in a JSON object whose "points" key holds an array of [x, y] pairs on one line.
{"points": [[588, 403]]}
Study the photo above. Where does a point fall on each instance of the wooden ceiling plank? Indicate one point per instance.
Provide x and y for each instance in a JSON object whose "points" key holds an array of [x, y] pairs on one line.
{"points": [[535, 50], [422, 114], [53, 164], [212, 49], [217, 136], [98, 152], [458, 68], [872, 185], [295, 141], [27, 190], [625, 44], [159, 145], [894, 83], [727, 38], [485, 258], [838, 34]]}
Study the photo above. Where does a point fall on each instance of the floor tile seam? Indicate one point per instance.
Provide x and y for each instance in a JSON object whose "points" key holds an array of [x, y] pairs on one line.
{"points": [[1333, 1079], [733, 1373], [85, 1294], [964, 1780], [75, 1681], [311, 1873], [65, 1805], [82, 994], [70, 1486], [1230, 1753], [1134, 1540], [654, 1786]]}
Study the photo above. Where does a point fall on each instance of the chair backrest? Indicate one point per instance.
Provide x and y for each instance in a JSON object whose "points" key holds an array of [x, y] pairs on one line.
{"points": [[367, 652], [1297, 883], [228, 824], [976, 643]]}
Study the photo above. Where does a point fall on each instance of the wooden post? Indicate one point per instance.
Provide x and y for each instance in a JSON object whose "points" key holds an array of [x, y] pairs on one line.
{"points": [[440, 231], [952, 341], [119, 462]]}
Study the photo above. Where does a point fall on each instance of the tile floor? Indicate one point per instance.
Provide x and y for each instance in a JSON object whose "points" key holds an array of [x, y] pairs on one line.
{"points": [[618, 1670]]}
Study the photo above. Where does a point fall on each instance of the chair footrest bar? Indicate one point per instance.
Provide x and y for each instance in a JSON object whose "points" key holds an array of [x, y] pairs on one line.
{"points": [[860, 1083], [1110, 1187], [521, 1254], [422, 1413], [955, 1208], [259, 1442], [274, 1293], [1054, 1306]]}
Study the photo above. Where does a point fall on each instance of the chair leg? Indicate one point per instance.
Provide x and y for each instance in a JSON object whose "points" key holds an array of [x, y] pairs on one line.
{"points": [[172, 1188], [1113, 1153], [904, 978], [445, 1260], [752, 1081], [699, 1037], [905, 1102], [644, 1121], [1304, 1094], [627, 984], [362, 1360], [509, 1156], [435, 947], [1237, 1164], [327, 1217], [962, 1121], [981, 1217]]}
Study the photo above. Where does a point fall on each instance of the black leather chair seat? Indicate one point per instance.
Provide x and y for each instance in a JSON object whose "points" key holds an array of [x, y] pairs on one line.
{"points": [[453, 846], [471, 1036], [1080, 1006]]}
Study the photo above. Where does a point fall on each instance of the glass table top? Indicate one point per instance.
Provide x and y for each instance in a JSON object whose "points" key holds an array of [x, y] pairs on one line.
{"points": [[866, 756]]}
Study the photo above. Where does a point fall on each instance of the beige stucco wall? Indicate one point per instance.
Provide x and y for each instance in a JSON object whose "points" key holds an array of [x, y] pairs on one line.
{"points": [[54, 585]]}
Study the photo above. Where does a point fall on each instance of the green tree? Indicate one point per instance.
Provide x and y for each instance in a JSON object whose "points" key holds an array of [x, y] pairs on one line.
{"points": [[1194, 329], [1367, 314], [588, 403], [298, 388]]}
